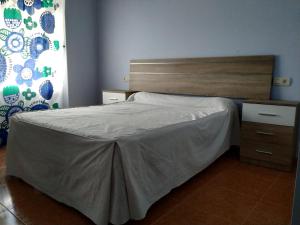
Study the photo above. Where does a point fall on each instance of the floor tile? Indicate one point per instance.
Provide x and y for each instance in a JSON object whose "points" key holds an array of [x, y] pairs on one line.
{"points": [[288, 178], [223, 202], [37, 208], [43, 215], [2, 157], [189, 215], [157, 210], [15, 191], [5, 197], [2, 208], [282, 191], [6, 218], [269, 214], [33, 207], [2, 175], [261, 172], [243, 181]]}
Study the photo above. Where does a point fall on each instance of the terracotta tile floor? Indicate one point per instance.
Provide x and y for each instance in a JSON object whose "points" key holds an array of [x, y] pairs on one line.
{"points": [[226, 193]]}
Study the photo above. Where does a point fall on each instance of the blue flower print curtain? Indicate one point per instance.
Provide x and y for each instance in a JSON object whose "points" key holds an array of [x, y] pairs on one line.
{"points": [[32, 57]]}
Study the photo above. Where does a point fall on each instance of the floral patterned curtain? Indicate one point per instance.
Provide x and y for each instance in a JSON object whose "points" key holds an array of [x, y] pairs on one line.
{"points": [[32, 57]]}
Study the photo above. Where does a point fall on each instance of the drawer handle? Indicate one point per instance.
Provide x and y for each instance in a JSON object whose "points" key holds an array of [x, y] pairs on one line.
{"points": [[263, 152], [267, 114], [113, 99], [265, 133]]}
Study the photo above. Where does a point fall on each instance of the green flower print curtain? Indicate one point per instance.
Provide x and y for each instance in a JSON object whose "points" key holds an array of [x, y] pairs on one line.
{"points": [[32, 57]]}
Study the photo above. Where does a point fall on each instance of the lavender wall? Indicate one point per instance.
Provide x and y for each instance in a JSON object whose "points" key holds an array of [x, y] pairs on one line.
{"points": [[82, 52], [131, 29]]}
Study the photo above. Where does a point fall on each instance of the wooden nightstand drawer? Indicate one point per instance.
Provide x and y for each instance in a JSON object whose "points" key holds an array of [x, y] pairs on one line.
{"points": [[267, 152], [267, 133], [113, 97], [269, 114]]}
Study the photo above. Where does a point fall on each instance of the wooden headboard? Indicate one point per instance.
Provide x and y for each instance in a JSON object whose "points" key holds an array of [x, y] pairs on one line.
{"points": [[246, 77]]}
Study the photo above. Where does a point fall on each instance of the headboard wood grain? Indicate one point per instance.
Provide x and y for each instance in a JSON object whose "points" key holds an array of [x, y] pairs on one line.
{"points": [[246, 77]]}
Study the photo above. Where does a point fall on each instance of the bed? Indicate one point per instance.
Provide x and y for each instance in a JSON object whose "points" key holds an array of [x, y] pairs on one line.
{"points": [[113, 162]]}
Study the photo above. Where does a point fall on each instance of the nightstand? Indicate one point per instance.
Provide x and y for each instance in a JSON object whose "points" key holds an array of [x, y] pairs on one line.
{"points": [[269, 133], [115, 96]]}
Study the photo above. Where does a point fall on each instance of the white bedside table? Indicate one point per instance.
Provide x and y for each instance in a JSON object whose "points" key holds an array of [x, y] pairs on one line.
{"points": [[115, 96], [268, 133]]}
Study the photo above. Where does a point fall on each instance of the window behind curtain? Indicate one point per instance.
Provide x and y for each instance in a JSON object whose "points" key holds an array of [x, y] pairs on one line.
{"points": [[32, 57]]}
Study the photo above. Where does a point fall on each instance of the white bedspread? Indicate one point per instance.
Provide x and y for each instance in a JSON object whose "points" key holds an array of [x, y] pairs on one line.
{"points": [[113, 162]]}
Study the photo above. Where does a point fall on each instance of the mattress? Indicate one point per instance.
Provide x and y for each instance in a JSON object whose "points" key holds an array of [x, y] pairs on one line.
{"points": [[113, 162]]}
